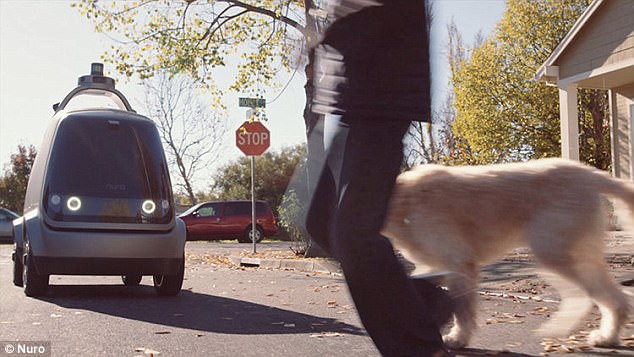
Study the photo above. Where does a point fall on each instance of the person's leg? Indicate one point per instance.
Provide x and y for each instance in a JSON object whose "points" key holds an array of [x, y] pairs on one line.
{"points": [[321, 187], [393, 312], [321, 210]]}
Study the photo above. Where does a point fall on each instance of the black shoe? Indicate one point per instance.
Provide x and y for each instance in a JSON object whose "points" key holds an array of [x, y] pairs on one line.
{"points": [[441, 306], [444, 352], [429, 351]]}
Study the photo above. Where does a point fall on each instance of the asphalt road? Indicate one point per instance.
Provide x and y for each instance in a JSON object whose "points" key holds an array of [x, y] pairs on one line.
{"points": [[227, 310], [222, 311]]}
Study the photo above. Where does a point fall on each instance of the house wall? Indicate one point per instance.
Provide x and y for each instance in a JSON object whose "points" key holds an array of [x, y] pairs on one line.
{"points": [[608, 38], [622, 101]]}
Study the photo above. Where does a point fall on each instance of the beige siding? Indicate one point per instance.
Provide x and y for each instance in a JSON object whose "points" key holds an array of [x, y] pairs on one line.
{"points": [[607, 39], [623, 98]]}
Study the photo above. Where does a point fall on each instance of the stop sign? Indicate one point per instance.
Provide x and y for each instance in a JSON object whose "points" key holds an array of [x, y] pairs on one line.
{"points": [[253, 138]]}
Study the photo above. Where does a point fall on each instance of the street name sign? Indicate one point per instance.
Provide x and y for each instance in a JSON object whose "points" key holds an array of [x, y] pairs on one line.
{"points": [[252, 102]]}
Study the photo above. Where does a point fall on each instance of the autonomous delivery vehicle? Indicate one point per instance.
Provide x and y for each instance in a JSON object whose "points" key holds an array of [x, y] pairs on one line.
{"points": [[99, 198]]}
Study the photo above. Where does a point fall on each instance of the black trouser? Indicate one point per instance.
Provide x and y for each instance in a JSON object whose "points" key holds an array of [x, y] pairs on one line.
{"points": [[345, 217]]}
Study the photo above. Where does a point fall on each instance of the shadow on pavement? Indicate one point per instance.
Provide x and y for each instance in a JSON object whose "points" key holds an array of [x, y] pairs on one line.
{"points": [[484, 352], [507, 271], [613, 351], [191, 310]]}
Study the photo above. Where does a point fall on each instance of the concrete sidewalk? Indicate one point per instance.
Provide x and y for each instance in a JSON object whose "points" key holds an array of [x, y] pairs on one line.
{"points": [[270, 255], [619, 246], [312, 265], [517, 263]]}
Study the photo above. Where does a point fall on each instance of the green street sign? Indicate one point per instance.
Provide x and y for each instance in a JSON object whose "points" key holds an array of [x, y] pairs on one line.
{"points": [[252, 102]]}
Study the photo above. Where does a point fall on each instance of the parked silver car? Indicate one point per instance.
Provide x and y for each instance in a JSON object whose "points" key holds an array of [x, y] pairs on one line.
{"points": [[99, 198], [6, 225]]}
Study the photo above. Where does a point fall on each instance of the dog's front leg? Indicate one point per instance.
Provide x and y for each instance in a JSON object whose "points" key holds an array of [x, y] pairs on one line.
{"points": [[463, 289]]}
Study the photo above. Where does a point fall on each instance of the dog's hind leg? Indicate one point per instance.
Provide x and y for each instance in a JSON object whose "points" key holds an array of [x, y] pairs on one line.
{"points": [[580, 261], [592, 276], [462, 288], [611, 301], [574, 304], [614, 308]]}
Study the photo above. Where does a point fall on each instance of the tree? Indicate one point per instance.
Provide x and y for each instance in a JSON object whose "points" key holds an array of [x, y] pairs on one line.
{"points": [[501, 112], [15, 180], [190, 130], [273, 172], [195, 37], [435, 142], [594, 140], [291, 214]]}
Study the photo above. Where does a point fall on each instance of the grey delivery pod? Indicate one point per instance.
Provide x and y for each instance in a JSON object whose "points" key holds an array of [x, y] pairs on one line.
{"points": [[99, 198]]}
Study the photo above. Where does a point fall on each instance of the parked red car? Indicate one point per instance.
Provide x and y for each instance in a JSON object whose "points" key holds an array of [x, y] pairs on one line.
{"points": [[229, 220]]}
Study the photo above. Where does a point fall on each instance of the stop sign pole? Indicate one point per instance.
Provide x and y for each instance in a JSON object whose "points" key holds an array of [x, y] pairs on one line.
{"points": [[252, 138]]}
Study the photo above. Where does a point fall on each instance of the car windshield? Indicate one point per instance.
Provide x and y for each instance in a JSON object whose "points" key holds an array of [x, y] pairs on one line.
{"points": [[108, 170], [191, 210]]}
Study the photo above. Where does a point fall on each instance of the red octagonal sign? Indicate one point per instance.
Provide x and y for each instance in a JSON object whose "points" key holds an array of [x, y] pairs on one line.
{"points": [[253, 138]]}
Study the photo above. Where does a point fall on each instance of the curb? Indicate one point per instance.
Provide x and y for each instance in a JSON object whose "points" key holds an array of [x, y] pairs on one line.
{"points": [[318, 266]]}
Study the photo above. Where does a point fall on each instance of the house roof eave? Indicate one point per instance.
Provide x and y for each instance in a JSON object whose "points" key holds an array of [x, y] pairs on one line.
{"points": [[542, 72]]}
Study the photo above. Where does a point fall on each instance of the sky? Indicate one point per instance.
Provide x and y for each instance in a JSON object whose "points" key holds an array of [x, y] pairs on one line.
{"points": [[45, 45]]}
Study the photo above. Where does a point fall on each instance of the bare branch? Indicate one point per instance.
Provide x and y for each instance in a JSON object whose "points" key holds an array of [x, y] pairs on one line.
{"points": [[189, 131]]}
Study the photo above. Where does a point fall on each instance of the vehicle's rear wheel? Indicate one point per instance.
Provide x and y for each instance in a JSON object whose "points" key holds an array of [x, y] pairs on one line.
{"points": [[247, 237], [34, 284], [18, 267], [170, 285], [131, 279]]}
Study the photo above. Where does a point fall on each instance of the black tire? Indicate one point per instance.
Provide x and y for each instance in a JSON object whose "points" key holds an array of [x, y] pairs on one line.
{"points": [[131, 279], [170, 285], [34, 284], [18, 267], [246, 237]]}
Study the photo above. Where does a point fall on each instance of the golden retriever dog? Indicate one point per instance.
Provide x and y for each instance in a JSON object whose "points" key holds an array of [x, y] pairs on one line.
{"points": [[458, 218]]}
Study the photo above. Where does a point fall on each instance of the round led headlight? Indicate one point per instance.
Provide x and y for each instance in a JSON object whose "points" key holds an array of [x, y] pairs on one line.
{"points": [[148, 207], [73, 203]]}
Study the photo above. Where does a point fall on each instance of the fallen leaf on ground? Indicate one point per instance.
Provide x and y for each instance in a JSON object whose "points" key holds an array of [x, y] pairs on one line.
{"points": [[327, 334], [147, 351]]}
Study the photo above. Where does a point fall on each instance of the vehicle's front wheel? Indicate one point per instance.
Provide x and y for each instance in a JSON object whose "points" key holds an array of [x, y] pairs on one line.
{"points": [[170, 285], [34, 284], [131, 279], [18, 267]]}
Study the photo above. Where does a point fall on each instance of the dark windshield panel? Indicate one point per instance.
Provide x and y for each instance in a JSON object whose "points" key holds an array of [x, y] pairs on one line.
{"points": [[108, 170]]}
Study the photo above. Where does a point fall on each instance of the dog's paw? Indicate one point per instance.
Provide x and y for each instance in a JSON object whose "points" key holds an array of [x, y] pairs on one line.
{"points": [[600, 339], [454, 341]]}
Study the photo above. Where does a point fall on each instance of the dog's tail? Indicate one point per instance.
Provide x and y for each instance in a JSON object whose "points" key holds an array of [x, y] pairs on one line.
{"points": [[622, 194]]}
